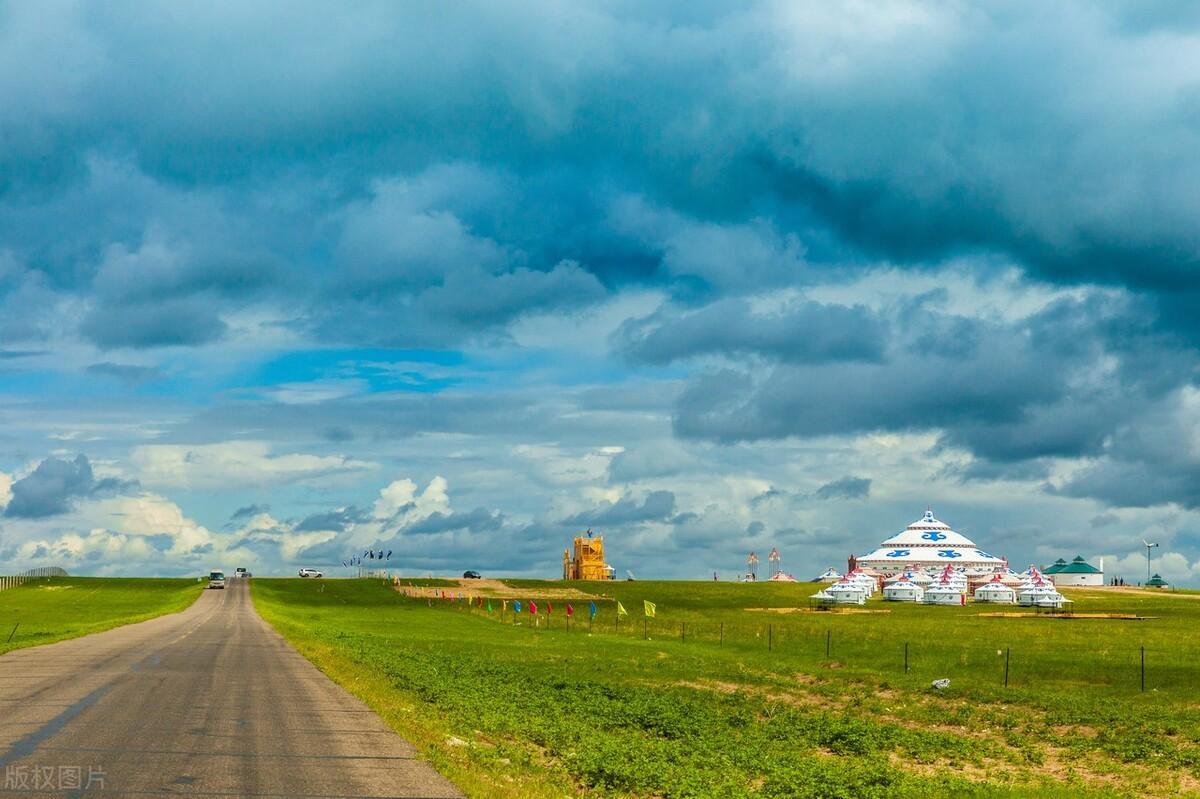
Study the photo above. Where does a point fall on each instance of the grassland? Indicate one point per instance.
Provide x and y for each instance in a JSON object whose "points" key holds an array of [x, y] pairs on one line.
{"points": [[54, 608], [735, 694]]}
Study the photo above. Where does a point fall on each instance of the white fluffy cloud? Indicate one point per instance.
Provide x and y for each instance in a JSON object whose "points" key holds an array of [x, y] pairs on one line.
{"points": [[232, 464]]}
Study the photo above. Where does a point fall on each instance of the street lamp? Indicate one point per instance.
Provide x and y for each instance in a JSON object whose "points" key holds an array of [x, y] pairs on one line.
{"points": [[1149, 547]]}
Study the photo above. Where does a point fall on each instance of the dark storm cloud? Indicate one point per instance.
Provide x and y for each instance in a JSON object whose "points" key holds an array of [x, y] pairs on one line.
{"points": [[805, 332], [337, 521], [248, 511], [453, 188], [846, 488], [1013, 391], [478, 520], [655, 506], [55, 484]]}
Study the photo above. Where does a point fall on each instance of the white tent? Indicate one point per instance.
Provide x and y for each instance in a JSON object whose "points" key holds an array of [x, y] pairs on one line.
{"points": [[997, 592], [830, 575], [846, 593], [943, 594], [780, 577], [903, 590], [1042, 594]]}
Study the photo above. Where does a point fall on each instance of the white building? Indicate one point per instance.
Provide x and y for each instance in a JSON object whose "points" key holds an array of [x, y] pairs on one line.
{"points": [[929, 544], [1077, 572], [1041, 595]]}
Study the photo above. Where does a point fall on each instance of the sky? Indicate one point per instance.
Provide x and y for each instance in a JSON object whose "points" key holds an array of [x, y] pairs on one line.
{"points": [[283, 283]]}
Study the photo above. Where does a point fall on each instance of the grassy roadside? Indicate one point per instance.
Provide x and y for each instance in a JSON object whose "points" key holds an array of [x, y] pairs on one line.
{"points": [[55, 608], [509, 711]]}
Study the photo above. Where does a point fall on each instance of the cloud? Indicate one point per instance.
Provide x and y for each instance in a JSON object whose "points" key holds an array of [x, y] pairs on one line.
{"points": [[127, 373], [846, 488], [801, 332], [52, 487], [655, 506], [234, 463]]}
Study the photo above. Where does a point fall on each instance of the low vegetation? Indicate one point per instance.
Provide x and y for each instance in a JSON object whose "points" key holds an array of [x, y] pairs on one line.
{"points": [[741, 691], [54, 608]]}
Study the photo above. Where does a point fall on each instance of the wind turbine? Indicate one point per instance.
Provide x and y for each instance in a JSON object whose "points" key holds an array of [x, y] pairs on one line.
{"points": [[1149, 547]]}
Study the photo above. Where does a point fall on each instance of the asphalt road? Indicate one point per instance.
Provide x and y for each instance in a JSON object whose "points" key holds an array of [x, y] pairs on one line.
{"points": [[208, 702]]}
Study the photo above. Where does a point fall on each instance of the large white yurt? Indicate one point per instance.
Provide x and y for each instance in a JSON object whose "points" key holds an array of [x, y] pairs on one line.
{"points": [[929, 543], [996, 591], [903, 590]]}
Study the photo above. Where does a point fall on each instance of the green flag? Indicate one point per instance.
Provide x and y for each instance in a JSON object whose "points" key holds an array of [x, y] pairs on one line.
{"points": [[621, 610], [649, 608], [489, 606]]}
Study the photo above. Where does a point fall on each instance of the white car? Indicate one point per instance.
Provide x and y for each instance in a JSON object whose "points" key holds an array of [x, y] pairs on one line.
{"points": [[310, 573], [216, 579]]}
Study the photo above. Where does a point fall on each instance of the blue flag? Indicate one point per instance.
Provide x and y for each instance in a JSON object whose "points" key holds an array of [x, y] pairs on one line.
{"points": [[517, 606], [592, 609]]}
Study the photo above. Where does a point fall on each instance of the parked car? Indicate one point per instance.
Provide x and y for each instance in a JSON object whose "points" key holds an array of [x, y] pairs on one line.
{"points": [[310, 573], [472, 575], [216, 579]]}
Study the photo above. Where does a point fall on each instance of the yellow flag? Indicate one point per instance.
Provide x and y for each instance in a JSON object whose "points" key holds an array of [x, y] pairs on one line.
{"points": [[621, 610], [649, 608]]}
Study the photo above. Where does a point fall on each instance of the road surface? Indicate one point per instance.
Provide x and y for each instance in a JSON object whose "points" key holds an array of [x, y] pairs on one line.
{"points": [[208, 702]]}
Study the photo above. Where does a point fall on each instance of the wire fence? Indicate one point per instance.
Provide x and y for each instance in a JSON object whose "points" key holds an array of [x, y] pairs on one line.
{"points": [[989, 659], [13, 580]]}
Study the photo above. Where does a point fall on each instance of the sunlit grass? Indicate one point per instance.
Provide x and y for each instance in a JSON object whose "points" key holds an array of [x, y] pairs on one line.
{"points": [[54, 608], [531, 711]]}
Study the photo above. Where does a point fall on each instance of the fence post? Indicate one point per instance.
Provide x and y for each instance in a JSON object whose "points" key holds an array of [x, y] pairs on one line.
{"points": [[682, 632], [646, 625], [828, 636], [1143, 668], [770, 643], [1007, 653], [14, 632]]}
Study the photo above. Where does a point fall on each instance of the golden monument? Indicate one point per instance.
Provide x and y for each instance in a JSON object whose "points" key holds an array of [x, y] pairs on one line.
{"points": [[588, 563]]}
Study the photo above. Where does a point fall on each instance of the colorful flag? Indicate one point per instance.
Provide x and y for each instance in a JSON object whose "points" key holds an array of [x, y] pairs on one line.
{"points": [[503, 605], [532, 608], [570, 610], [648, 606], [592, 610], [489, 606], [516, 606], [621, 610], [549, 609]]}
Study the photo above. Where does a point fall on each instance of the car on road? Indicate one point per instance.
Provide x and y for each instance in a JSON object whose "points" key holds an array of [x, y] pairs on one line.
{"points": [[310, 573], [472, 575], [241, 572], [216, 579]]}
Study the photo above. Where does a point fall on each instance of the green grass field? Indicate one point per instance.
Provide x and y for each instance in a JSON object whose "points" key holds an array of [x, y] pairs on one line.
{"points": [[728, 699], [54, 608]]}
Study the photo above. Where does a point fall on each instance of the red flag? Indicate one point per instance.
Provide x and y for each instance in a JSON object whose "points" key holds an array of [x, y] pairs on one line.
{"points": [[549, 609], [532, 607], [570, 610]]}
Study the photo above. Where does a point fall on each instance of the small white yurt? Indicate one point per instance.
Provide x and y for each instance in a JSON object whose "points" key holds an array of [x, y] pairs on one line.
{"points": [[781, 577], [1042, 595], [943, 594], [920, 578], [996, 592], [846, 593], [830, 575], [903, 590]]}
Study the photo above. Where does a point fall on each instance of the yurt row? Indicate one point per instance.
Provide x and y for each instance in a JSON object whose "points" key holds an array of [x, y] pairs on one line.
{"points": [[949, 588]]}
